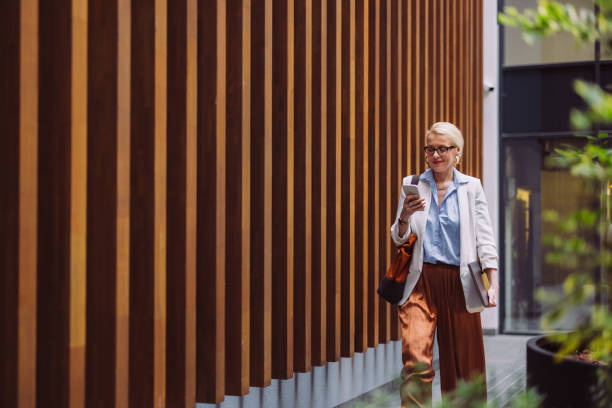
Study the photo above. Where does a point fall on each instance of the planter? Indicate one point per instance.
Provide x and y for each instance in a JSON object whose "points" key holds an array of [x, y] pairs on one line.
{"points": [[568, 383]]}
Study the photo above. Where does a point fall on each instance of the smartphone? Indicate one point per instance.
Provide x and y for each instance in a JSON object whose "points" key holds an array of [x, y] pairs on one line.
{"points": [[410, 189]]}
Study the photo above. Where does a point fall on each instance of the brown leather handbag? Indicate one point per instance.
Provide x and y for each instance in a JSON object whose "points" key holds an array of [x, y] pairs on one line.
{"points": [[391, 287]]}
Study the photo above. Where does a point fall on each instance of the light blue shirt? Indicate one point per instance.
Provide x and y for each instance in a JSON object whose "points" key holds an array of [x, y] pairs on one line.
{"points": [[442, 242]]}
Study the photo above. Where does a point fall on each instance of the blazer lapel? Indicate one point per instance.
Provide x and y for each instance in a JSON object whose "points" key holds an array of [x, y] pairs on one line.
{"points": [[464, 217]]}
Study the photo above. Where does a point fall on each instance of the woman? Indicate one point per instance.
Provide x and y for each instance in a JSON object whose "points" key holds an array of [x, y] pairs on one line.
{"points": [[451, 220]]}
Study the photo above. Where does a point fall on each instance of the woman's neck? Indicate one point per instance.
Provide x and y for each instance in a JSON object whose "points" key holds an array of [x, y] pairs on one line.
{"points": [[444, 176]]}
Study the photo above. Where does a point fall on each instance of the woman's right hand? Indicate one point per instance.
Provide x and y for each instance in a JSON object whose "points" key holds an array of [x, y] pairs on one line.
{"points": [[412, 203]]}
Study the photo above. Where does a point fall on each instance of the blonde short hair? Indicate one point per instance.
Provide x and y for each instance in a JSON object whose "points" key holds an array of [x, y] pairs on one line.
{"points": [[447, 128]]}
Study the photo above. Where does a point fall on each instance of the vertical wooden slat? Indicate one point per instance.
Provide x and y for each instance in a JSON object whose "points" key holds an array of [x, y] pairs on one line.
{"points": [[108, 203], [444, 49], [309, 189], [268, 194], [386, 337], [338, 180], [261, 210], [393, 140], [191, 146], [431, 86], [360, 160], [319, 177], [441, 29], [447, 58], [479, 84], [427, 48], [237, 141], [405, 46], [177, 203], [349, 22], [383, 173], [454, 41], [344, 205], [181, 229], [28, 201], [365, 166], [10, 98], [478, 89], [123, 197], [290, 95], [282, 278], [160, 186], [371, 131], [462, 70], [302, 187], [148, 204], [54, 191], [396, 180], [417, 114], [78, 204], [467, 126], [408, 62], [332, 247], [221, 193], [375, 328], [211, 232], [474, 95]]}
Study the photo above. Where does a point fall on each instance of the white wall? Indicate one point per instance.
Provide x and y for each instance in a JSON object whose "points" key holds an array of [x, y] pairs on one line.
{"points": [[490, 318]]}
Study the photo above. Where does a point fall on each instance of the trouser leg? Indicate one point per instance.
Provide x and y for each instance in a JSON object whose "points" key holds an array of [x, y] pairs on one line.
{"points": [[460, 339], [418, 324]]}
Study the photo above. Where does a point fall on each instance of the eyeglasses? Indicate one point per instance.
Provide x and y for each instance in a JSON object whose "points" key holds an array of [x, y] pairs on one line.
{"points": [[430, 150]]}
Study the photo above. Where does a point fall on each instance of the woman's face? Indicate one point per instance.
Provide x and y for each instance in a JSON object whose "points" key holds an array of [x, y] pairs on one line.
{"points": [[441, 163]]}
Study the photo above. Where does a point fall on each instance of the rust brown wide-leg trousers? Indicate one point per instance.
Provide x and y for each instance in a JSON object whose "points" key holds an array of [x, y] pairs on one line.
{"points": [[437, 301]]}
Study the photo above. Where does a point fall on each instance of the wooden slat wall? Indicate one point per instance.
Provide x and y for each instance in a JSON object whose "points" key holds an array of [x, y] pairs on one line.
{"points": [[238, 158]]}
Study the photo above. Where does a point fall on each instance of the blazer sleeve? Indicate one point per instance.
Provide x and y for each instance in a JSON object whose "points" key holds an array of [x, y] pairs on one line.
{"points": [[485, 239], [397, 240]]}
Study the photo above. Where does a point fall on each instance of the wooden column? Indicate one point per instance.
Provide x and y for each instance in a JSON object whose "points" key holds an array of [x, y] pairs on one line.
{"points": [[332, 167], [373, 164], [54, 192], [148, 204], [18, 202], [360, 177], [181, 215], [302, 261], [345, 183], [78, 205], [384, 170], [319, 183], [211, 232], [108, 198], [282, 196], [261, 196], [237, 202]]}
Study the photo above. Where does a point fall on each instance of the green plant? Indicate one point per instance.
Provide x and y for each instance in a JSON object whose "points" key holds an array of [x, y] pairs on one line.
{"points": [[467, 394]]}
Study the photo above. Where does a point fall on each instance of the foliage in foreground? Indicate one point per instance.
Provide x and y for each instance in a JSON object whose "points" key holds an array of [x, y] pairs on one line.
{"points": [[468, 394]]}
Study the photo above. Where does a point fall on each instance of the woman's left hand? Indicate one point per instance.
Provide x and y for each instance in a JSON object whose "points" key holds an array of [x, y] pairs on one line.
{"points": [[493, 295]]}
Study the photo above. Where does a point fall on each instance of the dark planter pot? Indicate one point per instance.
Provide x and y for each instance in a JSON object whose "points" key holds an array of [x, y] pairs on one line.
{"points": [[569, 383]]}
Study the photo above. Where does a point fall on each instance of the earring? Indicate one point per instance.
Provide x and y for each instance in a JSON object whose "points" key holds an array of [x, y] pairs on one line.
{"points": [[457, 158]]}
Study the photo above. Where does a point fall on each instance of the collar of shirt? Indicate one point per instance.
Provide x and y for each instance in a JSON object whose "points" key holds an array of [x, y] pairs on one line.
{"points": [[458, 178]]}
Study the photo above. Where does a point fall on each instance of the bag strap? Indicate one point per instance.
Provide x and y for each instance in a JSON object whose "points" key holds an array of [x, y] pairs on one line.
{"points": [[415, 179]]}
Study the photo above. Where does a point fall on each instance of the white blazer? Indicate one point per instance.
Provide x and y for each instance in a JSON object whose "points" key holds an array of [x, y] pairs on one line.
{"points": [[477, 239]]}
